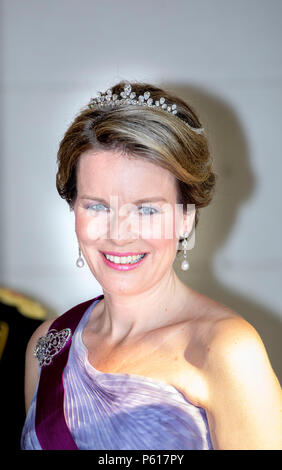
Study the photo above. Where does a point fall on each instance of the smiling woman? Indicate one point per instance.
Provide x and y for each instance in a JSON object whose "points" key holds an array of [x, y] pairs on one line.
{"points": [[150, 363], [177, 144]]}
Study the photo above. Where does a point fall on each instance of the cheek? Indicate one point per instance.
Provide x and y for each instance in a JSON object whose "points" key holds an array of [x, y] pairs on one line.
{"points": [[89, 229], [80, 226], [163, 227], [161, 234]]}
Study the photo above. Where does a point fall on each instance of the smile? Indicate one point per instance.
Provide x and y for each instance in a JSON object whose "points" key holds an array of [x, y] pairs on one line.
{"points": [[123, 263], [124, 259]]}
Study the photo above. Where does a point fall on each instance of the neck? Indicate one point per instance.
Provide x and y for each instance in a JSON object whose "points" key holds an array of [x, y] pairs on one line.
{"points": [[127, 317]]}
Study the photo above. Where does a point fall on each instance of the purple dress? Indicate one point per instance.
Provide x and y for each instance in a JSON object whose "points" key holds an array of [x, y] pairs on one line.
{"points": [[121, 411]]}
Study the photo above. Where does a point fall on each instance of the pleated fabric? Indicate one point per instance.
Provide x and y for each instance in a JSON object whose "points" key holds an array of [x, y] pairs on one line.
{"points": [[122, 411]]}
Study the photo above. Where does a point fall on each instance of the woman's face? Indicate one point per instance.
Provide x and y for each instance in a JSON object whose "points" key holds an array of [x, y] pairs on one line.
{"points": [[109, 217]]}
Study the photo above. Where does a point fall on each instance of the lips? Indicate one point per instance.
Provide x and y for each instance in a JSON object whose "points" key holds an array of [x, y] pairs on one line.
{"points": [[114, 253], [123, 267]]}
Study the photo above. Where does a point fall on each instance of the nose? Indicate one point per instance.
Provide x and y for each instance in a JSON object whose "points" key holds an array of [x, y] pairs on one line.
{"points": [[122, 228]]}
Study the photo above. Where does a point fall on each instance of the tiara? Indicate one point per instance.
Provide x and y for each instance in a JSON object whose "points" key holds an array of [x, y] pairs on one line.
{"points": [[127, 96]]}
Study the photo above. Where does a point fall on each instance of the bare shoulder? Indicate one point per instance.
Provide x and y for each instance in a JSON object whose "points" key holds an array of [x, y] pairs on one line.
{"points": [[234, 344], [224, 334], [31, 363], [214, 329], [244, 394]]}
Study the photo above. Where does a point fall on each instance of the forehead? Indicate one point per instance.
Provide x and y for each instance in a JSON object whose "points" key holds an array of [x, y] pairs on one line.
{"points": [[110, 172]]}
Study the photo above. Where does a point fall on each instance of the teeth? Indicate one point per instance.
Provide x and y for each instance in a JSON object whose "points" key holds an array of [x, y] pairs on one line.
{"points": [[124, 259]]}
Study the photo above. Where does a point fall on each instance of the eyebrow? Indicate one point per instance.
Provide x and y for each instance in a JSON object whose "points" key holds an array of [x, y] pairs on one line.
{"points": [[139, 201]]}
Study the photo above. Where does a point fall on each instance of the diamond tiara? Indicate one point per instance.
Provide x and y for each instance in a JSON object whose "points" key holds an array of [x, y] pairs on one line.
{"points": [[127, 96]]}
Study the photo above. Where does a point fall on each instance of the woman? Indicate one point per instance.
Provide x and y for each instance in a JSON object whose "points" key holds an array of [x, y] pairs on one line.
{"points": [[150, 363]]}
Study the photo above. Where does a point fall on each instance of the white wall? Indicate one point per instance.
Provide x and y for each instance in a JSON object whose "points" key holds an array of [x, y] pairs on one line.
{"points": [[222, 56]]}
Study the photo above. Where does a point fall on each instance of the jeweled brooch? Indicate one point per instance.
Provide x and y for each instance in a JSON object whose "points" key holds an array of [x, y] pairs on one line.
{"points": [[50, 345]]}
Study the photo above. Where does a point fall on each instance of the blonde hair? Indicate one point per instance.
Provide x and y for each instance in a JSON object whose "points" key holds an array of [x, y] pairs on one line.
{"points": [[142, 132]]}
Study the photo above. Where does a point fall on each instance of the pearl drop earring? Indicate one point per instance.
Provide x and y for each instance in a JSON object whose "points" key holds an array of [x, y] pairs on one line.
{"points": [[185, 264], [80, 260]]}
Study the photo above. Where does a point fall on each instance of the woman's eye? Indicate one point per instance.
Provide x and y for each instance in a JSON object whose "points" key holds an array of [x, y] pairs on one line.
{"points": [[96, 207], [149, 210]]}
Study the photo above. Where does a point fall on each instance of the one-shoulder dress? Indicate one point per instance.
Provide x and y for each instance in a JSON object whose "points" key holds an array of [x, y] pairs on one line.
{"points": [[120, 411]]}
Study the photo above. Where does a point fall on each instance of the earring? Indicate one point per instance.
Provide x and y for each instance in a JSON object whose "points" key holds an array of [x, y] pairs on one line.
{"points": [[80, 260], [185, 264]]}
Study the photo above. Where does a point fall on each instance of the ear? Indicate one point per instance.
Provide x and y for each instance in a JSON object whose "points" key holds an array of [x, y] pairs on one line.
{"points": [[188, 219]]}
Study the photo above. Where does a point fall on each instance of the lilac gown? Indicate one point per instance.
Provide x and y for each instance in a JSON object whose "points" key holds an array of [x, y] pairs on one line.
{"points": [[121, 411]]}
